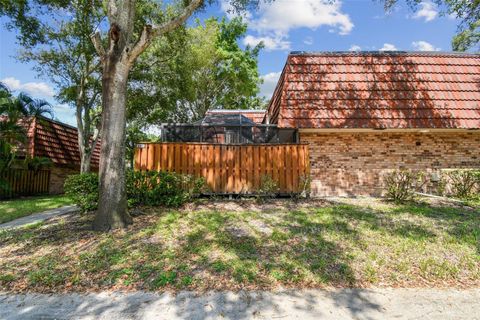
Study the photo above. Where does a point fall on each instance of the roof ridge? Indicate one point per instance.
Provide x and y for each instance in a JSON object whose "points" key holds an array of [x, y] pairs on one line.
{"points": [[384, 53], [237, 110], [57, 122]]}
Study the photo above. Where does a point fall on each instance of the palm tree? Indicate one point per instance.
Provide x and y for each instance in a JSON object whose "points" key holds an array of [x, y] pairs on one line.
{"points": [[15, 110], [15, 115]]}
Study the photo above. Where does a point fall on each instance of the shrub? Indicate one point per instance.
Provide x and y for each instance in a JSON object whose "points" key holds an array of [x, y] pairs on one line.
{"points": [[401, 185], [268, 187], [162, 188], [38, 163], [464, 183], [143, 188], [83, 190], [438, 184], [304, 187], [305, 183]]}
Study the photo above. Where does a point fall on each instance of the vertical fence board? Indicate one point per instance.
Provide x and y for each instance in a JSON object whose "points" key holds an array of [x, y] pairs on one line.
{"points": [[250, 167], [210, 165], [262, 155], [230, 171], [136, 157], [255, 168], [242, 168], [216, 169], [204, 161], [23, 182], [267, 163], [226, 168], [295, 174], [275, 164], [288, 169]]}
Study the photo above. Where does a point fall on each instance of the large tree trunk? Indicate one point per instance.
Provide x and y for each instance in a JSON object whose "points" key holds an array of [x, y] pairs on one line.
{"points": [[112, 206], [116, 62]]}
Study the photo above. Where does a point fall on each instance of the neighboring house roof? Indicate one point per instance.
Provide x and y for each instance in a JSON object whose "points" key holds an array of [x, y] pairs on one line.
{"points": [[58, 142], [378, 90], [256, 116]]}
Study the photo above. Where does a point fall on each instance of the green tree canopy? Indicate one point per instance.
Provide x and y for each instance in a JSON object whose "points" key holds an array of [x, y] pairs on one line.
{"points": [[193, 70], [55, 36]]}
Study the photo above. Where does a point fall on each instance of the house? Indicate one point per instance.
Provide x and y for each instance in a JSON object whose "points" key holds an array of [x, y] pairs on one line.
{"points": [[58, 142], [365, 113], [362, 114]]}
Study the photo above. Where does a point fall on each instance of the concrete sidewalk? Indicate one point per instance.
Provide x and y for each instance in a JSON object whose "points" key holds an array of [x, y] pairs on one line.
{"points": [[289, 304], [38, 217]]}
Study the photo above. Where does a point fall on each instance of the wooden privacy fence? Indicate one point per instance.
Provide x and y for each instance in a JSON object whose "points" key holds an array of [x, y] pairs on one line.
{"points": [[24, 182], [230, 169]]}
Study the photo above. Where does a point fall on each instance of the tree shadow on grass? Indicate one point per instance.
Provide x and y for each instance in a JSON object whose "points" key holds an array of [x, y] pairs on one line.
{"points": [[424, 221], [461, 223], [57, 255], [221, 250], [382, 221], [293, 254], [254, 255]]}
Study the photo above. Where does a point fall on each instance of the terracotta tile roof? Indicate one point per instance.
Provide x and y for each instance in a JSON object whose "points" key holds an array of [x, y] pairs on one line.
{"points": [[256, 116], [58, 141], [378, 90]]}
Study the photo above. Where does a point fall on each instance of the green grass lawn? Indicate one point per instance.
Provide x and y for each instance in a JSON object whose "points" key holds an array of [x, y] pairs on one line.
{"points": [[230, 246], [17, 208], [474, 202]]}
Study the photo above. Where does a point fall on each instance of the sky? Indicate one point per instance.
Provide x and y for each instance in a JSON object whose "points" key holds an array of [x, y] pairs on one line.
{"points": [[283, 26]]}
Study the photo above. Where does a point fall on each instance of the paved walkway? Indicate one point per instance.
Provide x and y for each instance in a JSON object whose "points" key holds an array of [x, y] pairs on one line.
{"points": [[306, 304], [38, 217]]}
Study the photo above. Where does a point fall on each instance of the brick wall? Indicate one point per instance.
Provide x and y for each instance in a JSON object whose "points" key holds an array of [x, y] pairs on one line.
{"points": [[58, 175], [347, 164]]}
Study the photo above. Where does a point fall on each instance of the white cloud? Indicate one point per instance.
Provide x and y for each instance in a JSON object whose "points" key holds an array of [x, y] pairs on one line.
{"points": [[424, 46], [354, 47], [270, 43], [308, 41], [36, 89], [269, 83], [284, 15], [274, 20], [388, 47], [427, 11]]}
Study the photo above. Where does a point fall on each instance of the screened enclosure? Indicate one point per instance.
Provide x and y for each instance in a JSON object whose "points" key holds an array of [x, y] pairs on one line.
{"points": [[227, 129]]}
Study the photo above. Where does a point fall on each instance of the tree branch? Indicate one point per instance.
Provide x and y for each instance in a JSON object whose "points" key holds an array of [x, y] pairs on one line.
{"points": [[97, 43], [172, 24], [142, 43], [149, 32]]}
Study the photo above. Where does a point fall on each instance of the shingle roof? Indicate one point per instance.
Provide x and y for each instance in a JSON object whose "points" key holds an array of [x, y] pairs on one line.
{"points": [[256, 116], [58, 141], [378, 90]]}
